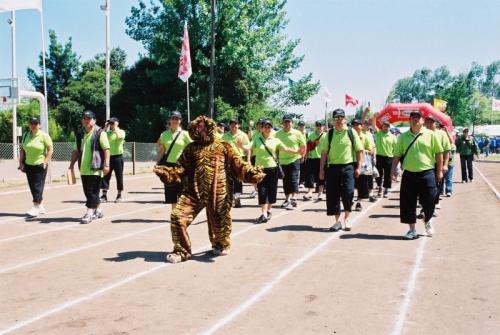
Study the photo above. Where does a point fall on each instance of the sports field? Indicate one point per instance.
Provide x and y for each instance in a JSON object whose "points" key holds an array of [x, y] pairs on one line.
{"points": [[288, 276]]}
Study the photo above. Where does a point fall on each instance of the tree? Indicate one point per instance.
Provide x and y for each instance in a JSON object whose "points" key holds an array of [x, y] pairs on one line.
{"points": [[117, 61], [253, 61], [62, 65]]}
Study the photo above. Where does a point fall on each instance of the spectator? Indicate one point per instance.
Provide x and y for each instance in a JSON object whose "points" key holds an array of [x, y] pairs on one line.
{"points": [[116, 139], [36, 152], [448, 175], [92, 152], [467, 148]]}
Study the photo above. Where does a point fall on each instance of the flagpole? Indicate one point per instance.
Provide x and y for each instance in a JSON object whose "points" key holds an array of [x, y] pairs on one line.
{"points": [[14, 74], [326, 114], [44, 118], [108, 65], [187, 91], [212, 61]]}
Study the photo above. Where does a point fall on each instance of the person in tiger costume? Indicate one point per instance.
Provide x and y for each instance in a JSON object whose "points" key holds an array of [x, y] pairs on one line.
{"points": [[208, 164]]}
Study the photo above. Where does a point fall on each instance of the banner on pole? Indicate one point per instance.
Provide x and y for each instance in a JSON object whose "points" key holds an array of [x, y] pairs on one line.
{"points": [[495, 105], [440, 104], [185, 70], [327, 94], [349, 100], [10, 5]]}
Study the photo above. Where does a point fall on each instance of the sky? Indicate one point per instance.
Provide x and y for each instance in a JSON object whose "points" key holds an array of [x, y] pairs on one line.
{"points": [[359, 47]]}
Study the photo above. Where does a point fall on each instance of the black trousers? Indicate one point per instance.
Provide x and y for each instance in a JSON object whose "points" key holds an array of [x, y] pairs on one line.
{"points": [[268, 187], [91, 188], [421, 185], [466, 167], [302, 174], [339, 185], [36, 175], [384, 165], [312, 173], [116, 165], [173, 191], [291, 178], [363, 184]]}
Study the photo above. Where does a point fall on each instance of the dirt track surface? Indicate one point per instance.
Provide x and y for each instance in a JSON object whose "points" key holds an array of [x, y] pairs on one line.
{"points": [[289, 276]]}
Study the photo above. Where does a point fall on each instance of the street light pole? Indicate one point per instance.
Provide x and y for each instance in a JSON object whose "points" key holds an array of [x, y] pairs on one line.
{"points": [[107, 12], [212, 62], [12, 23]]}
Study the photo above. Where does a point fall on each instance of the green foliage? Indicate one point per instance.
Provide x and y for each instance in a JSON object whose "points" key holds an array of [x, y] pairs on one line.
{"points": [[117, 61], [62, 65]]}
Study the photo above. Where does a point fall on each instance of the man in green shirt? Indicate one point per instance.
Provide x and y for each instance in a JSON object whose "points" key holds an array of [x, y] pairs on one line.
{"points": [[341, 149], [91, 150], [301, 126], [421, 154], [467, 148], [313, 162], [364, 183], [233, 137], [116, 138], [290, 162]]}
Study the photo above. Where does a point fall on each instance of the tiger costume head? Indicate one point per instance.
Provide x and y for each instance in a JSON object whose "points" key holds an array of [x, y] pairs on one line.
{"points": [[202, 133]]}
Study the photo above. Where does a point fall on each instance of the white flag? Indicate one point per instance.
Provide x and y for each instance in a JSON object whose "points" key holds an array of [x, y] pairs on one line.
{"points": [[327, 93], [10, 5], [185, 69], [495, 105]]}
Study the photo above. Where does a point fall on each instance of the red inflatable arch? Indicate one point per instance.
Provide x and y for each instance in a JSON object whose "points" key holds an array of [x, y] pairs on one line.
{"points": [[401, 112]]}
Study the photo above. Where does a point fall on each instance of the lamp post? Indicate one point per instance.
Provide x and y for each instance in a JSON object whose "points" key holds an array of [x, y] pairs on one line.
{"points": [[107, 12]]}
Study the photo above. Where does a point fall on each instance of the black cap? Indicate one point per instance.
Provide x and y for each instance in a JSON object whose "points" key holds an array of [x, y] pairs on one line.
{"points": [[221, 124], [88, 115], [114, 119], [430, 118], [34, 120], [287, 117], [355, 122], [465, 129], [265, 122], [338, 112], [415, 113], [301, 123], [319, 123], [176, 114], [235, 120]]}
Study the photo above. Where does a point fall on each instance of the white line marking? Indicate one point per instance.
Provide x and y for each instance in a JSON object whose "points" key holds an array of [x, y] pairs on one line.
{"points": [[18, 237], [410, 288], [488, 183], [270, 285], [110, 287]]}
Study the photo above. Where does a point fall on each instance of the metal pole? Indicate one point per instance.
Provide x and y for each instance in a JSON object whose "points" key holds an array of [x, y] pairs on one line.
{"points": [[133, 158], [44, 119], [108, 70], [212, 63], [188, 108], [326, 114], [14, 74]]}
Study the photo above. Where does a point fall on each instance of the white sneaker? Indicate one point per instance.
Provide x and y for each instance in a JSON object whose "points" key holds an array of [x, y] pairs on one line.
{"points": [[448, 194], [337, 226], [347, 225], [411, 235], [320, 197], [97, 214], [438, 206], [428, 228], [218, 252], [253, 194], [33, 212], [41, 209], [174, 258]]}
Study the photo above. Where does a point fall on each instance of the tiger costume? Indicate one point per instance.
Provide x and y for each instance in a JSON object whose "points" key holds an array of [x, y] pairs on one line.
{"points": [[207, 164]]}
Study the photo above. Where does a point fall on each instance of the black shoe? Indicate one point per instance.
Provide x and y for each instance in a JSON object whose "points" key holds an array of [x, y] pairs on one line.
{"points": [[119, 198], [237, 203], [269, 216], [421, 215], [358, 207], [103, 199], [261, 219], [373, 199], [293, 202], [285, 204]]}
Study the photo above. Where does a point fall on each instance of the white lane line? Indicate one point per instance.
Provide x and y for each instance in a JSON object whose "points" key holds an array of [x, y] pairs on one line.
{"points": [[18, 237], [73, 250], [410, 288], [270, 285], [488, 183], [27, 219], [120, 283], [64, 186]]}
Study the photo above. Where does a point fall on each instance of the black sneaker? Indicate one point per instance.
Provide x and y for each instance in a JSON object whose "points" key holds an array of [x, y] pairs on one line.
{"points": [[269, 216], [261, 219], [285, 204], [373, 199], [421, 215], [237, 203], [293, 202], [103, 198], [358, 207]]}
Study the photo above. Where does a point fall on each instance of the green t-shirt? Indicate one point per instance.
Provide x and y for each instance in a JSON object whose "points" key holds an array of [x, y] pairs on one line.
{"points": [[421, 155], [366, 140], [292, 139], [116, 139], [35, 147], [166, 139], [452, 154], [316, 152], [443, 139], [86, 160], [262, 157], [385, 143], [342, 151], [232, 139]]}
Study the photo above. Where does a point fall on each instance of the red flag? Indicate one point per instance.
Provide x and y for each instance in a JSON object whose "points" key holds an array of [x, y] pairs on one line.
{"points": [[185, 70], [350, 100]]}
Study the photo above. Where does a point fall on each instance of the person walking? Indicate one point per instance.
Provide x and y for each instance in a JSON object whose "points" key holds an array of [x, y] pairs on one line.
{"points": [[171, 145], [364, 182], [290, 162], [421, 156], [313, 167], [233, 137], [385, 142], [467, 148], [447, 185], [301, 126], [36, 152], [91, 150], [342, 150], [116, 139]]}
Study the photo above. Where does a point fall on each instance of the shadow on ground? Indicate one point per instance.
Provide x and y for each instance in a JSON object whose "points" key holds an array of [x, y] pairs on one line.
{"points": [[299, 228], [372, 237], [157, 256]]}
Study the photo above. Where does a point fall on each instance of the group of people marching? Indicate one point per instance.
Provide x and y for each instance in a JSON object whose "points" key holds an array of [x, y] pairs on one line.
{"points": [[329, 162]]}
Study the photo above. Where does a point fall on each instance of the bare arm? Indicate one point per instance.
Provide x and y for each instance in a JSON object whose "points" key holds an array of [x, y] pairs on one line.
{"points": [[161, 152], [439, 167], [395, 162], [105, 169], [322, 163], [22, 157], [48, 157], [74, 158]]}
